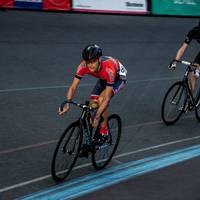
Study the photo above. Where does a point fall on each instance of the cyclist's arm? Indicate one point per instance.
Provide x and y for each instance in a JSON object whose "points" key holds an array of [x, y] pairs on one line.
{"points": [[69, 95], [107, 96], [181, 51], [72, 89]]}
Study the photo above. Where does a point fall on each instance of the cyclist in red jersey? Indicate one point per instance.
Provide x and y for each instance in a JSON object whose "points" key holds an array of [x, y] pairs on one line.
{"points": [[111, 76]]}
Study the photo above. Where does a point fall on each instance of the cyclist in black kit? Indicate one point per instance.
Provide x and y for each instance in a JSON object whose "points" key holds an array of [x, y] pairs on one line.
{"points": [[194, 33]]}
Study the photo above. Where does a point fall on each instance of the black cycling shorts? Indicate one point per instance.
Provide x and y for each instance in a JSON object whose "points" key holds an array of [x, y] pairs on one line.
{"points": [[101, 85], [197, 58]]}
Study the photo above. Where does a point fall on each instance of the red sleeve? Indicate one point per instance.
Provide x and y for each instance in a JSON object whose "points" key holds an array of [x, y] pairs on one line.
{"points": [[111, 74], [81, 69]]}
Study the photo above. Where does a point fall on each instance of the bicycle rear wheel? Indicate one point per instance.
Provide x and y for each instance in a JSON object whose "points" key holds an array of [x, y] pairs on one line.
{"points": [[197, 99], [66, 152], [197, 109], [102, 154], [174, 103]]}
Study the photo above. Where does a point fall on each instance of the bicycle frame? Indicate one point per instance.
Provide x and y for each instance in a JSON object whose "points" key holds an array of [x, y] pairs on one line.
{"points": [[186, 83], [86, 127], [85, 122], [190, 68]]}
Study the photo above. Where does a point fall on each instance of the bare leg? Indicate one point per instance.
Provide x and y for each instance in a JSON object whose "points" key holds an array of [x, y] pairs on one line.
{"points": [[193, 79], [105, 113], [94, 103], [192, 82]]}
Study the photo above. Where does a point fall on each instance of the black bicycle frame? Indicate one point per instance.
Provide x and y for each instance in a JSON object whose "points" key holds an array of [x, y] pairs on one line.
{"points": [[85, 123], [86, 126], [186, 83]]}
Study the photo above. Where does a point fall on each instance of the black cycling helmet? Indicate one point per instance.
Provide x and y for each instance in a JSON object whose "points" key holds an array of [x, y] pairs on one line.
{"points": [[91, 51]]}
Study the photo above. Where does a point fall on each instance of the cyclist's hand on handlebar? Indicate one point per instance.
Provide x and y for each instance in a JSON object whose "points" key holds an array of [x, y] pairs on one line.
{"points": [[64, 107], [64, 110], [172, 65]]}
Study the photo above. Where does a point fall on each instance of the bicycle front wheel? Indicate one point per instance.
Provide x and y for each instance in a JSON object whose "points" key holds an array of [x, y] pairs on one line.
{"points": [[197, 109], [102, 154], [66, 152], [174, 103]]}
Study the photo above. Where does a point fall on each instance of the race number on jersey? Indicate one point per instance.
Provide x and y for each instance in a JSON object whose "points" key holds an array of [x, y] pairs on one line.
{"points": [[122, 71]]}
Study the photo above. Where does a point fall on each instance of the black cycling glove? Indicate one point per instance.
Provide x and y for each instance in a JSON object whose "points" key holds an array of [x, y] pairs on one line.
{"points": [[63, 105]]}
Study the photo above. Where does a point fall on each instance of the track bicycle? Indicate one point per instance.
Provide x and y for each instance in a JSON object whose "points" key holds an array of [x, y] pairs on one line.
{"points": [[79, 136], [179, 98]]}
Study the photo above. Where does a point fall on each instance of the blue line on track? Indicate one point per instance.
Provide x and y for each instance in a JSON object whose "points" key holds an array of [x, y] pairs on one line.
{"points": [[114, 175]]}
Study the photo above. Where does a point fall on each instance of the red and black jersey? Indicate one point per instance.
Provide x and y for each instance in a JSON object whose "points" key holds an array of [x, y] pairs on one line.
{"points": [[109, 70]]}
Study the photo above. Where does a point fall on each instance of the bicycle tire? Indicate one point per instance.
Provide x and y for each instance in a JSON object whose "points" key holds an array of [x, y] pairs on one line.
{"points": [[67, 148], [197, 109], [171, 111], [114, 129], [197, 99]]}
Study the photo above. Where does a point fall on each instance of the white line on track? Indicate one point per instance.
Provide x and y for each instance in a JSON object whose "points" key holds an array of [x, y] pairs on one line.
{"points": [[88, 164], [13, 150], [81, 85], [22, 148]]}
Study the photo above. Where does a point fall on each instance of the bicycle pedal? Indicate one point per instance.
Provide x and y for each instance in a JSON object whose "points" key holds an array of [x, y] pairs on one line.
{"points": [[83, 154]]}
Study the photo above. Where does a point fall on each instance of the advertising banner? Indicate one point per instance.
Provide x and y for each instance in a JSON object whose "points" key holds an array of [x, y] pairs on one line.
{"points": [[176, 7], [57, 5], [29, 4], [6, 3], [111, 6]]}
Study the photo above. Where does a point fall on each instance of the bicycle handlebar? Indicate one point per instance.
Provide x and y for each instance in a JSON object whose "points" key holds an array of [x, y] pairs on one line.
{"points": [[185, 62], [83, 106]]}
